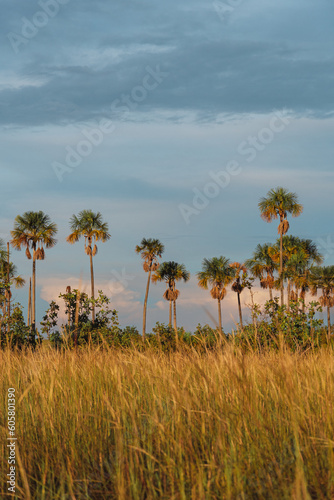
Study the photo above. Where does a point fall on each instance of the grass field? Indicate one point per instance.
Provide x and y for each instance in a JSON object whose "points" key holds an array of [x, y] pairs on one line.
{"points": [[127, 425]]}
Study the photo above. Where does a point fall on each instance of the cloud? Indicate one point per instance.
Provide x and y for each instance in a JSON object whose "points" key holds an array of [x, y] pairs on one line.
{"points": [[122, 298], [212, 68], [225, 76]]}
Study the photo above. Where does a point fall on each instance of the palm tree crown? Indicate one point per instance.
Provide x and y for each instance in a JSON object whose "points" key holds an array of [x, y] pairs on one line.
{"points": [[150, 249], [263, 266], [171, 272], [90, 225], [217, 273], [34, 230], [278, 203]]}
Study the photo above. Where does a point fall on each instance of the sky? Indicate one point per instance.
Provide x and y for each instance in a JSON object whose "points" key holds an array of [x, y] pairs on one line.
{"points": [[172, 119]]}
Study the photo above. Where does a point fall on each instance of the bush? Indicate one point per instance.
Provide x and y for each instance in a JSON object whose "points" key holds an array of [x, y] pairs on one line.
{"points": [[296, 329], [20, 335]]}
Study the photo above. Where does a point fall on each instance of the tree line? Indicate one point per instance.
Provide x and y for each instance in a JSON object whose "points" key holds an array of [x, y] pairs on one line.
{"points": [[290, 264]]}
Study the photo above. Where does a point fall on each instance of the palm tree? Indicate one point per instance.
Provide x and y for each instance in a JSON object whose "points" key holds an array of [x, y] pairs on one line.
{"points": [[299, 255], [296, 272], [263, 266], [322, 277], [91, 226], [150, 249], [33, 230], [239, 284], [171, 272], [278, 203], [218, 273]]}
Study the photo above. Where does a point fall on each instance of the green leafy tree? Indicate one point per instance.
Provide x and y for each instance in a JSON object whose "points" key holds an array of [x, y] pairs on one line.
{"points": [[34, 231], [217, 273], [50, 319], [19, 335], [89, 225], [150, 249], [278, 204]]}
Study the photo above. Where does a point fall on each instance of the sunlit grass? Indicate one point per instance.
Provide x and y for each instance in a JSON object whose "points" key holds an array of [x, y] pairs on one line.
{"points": [[128, 425]]}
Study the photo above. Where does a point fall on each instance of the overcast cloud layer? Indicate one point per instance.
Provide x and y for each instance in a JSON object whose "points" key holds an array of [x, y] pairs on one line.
{"points": [[168, 94]]}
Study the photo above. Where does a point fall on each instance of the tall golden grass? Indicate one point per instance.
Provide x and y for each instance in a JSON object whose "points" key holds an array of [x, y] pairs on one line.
{"points": [[107, 424]]}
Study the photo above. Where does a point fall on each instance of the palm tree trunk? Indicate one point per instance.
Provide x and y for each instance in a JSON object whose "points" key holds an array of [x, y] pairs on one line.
{"points": [[145, 302], [92, 284], [33, 318], [270, 293], [329, 322], [29, 304], [289, 293], [175, 327], [170, 313], [3, 317], [8, 291], [253, 314], [240, 312], [220, 318], [281, 268]]}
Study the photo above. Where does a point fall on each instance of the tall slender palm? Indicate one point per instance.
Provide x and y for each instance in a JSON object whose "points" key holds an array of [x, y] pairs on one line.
{"points": [[322, 278], [33, 230], [217, 273], [263, 266], [278, 203], [239, 284], [171, 272], [150, 249], [90, 225]]}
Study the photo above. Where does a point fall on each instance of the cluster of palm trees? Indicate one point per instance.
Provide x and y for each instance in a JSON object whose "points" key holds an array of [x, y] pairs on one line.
{"points": [[290, 260], [35, 230]]}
